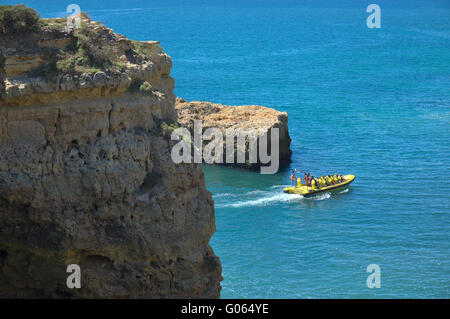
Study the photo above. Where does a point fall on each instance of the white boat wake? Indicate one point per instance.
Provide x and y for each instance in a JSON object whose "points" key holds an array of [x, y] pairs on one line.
{"points": [[263, 201], [262, 198]]}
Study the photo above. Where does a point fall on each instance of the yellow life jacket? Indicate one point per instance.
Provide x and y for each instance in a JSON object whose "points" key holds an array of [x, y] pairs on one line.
{"points": [[299, 182]]}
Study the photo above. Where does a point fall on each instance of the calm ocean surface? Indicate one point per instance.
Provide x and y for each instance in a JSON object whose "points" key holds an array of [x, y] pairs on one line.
{"points": [[369, 102]]}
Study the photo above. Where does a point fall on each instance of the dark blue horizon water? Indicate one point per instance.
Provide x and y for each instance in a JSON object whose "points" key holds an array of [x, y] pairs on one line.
{"points": [[370, 102]]}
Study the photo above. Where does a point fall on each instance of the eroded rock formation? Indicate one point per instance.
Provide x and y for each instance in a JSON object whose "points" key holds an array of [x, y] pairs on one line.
{"points": [[237, 117], [86, 176]]}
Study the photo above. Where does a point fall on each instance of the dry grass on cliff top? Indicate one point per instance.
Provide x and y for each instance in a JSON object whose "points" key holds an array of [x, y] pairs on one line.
{"points": [[91, 47], [91, 50], [225, 116]]}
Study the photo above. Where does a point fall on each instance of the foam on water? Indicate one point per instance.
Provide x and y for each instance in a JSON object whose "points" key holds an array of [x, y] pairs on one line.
{"points": [[319, 197], [265, 198], [262, 201]]}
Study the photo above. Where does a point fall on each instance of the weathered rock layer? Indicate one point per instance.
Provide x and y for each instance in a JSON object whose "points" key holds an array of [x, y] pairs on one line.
{"points": [[86, 178]]}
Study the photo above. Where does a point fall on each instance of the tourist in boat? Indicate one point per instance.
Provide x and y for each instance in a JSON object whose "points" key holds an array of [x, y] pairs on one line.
{"points": [[313, 182], [293, 178], [306, 179], [317, 182]]}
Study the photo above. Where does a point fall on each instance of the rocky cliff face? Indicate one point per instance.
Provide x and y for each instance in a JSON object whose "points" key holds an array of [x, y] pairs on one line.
{"points": [[86, 176], [242, 117]]}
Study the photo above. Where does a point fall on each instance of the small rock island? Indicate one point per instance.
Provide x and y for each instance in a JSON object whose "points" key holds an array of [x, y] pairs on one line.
{"points": [[238, 117]]}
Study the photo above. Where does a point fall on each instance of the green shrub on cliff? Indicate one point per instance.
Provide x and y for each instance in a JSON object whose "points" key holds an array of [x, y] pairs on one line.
{"points": [[65, 64], [138, 50], [145, 87], [92, 49], [141, 87], [18, 19], [55, 23], [119, 66], [170, 126]]}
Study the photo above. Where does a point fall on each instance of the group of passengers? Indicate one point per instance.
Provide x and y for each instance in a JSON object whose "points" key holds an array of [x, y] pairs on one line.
{"points": [[318, 182]]}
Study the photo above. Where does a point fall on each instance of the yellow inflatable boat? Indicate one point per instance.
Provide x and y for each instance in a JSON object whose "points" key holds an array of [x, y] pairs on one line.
{"points": [[306, 191]]}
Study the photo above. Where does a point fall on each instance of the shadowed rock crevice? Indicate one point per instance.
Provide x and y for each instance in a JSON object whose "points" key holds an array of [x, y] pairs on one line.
{"points": [[2, 74]]}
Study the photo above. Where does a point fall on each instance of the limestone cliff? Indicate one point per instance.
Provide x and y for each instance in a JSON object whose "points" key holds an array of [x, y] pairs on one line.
{"points": [[237, 117], [86, 176]]}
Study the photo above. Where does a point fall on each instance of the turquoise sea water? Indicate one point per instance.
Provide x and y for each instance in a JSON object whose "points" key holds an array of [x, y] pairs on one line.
{"points": [[370, 102]]}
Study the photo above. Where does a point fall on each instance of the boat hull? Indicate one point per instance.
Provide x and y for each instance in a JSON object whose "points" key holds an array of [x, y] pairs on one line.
{"points": [[307, 191]]}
